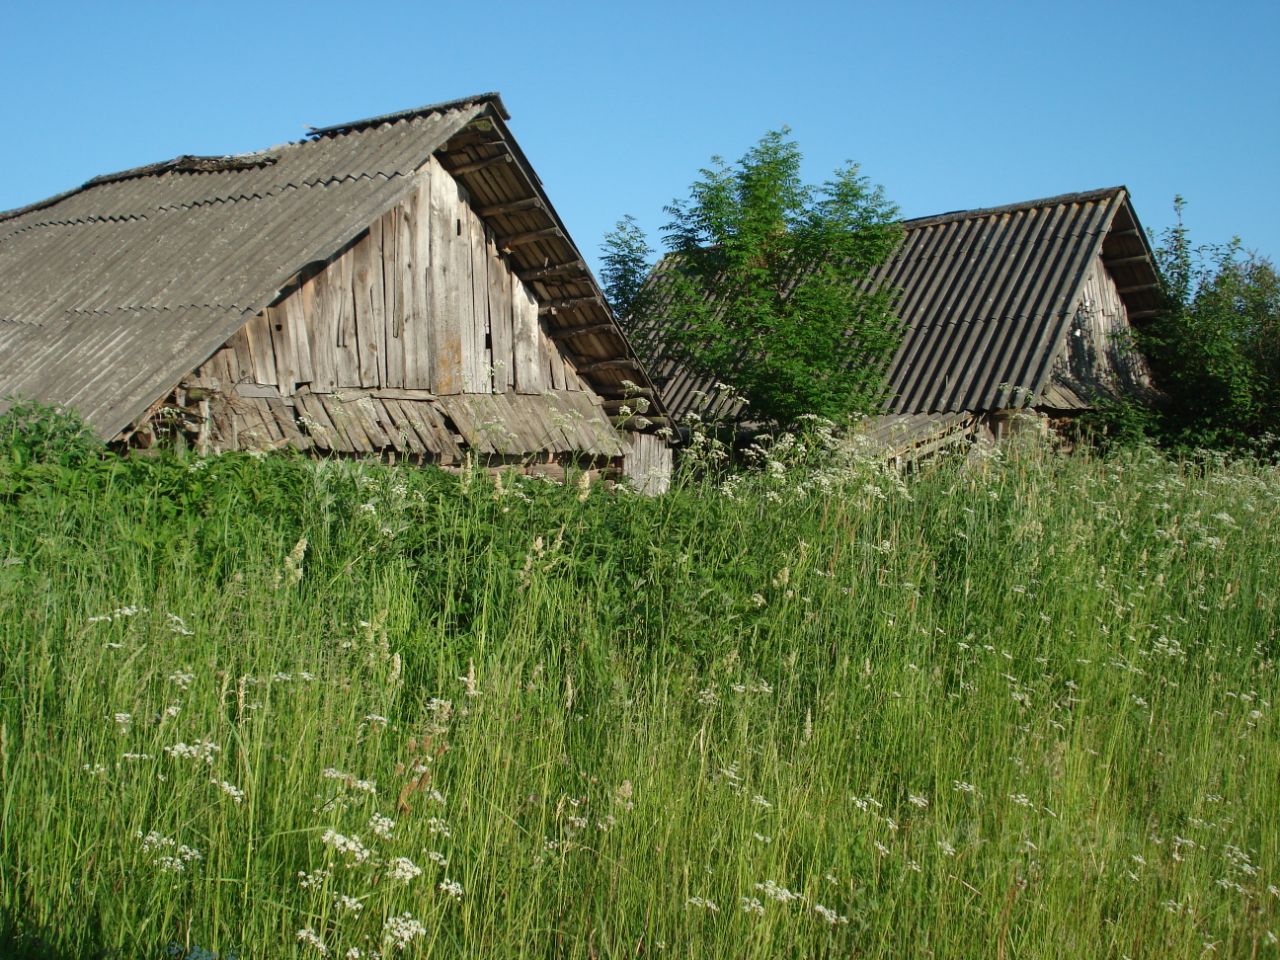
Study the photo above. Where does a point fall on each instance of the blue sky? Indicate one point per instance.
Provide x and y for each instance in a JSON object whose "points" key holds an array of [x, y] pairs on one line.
{"points": [[948, 105]]}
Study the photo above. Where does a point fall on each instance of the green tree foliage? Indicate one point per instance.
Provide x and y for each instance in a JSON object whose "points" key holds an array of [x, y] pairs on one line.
{"points": [[624, 265], [764, 287], [1215, 349]]}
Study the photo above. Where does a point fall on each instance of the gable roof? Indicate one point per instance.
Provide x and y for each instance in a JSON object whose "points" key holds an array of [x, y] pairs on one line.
{"points": [[986, 299], [111, 292]]}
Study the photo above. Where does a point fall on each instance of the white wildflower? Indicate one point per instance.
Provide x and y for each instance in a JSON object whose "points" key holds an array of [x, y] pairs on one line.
{"points": [[310, 938], [204, 751], [918, 801], [350, 847], [829, 915], [230, 789], [438, 858], [760, 801], [751, 905], [123, 719], [775, 891], [183, 679], [438, 828], [381, 826], [345, 904], [450, 887], [313, 880], [403, 869]]}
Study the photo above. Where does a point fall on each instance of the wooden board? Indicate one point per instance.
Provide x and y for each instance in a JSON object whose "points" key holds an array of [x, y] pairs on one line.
{"points": [[394, 303], [367, 300], [446, 360], [528, 360], [316, 304], [418, 364], [480, 366], [499, 283]]}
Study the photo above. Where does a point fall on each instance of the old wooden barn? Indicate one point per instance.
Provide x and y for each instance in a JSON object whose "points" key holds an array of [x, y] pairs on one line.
{"points": [[399, 286], [1025, 307]]}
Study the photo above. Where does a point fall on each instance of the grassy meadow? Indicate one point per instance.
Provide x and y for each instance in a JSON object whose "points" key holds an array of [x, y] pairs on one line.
{"points": [[1018, 707]]}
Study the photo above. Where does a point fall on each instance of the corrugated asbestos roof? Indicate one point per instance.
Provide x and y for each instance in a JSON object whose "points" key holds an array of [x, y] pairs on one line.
{"points": [[986, 299], [111, 292]]}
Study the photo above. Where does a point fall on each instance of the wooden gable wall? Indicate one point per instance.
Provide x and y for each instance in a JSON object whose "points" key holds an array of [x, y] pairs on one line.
{"points": [[418, 338], [1098, 358]]}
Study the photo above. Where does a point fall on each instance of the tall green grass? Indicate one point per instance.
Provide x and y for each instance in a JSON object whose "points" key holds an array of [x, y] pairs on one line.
{"points": [[1018, 707]]}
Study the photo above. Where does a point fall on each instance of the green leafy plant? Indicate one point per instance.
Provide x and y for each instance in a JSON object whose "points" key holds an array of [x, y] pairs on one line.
{"points": [[34, 433], [1215, 350], [766, 284]]}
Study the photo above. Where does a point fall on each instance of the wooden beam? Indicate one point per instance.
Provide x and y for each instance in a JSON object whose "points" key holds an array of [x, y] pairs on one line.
{"points": [[566, 333], [1131, 232], [1136, 287], [475, 165], [569, 302], [623, 363], [1139, 314], [630, 421], [515, 206], [1111, 262], [520, 239], [624, 394], [528, 276]]}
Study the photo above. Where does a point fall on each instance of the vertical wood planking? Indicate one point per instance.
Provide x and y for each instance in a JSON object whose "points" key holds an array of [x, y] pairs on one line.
{"points": [[528, 359], [408, 265], [282, 345], [347, 343], [459, 256], [446, 359], [418, 366], [393, 306], [479, 296], [315, 301], [367, 296], [500, 279], [260, 349], [299, 329]]}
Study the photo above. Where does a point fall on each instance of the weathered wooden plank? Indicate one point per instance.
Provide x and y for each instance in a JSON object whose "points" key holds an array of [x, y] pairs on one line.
{"points": [[394, 306], [282, 347], [241, 355], [459, 410], [499, 279], [371, 416], [367, 299], [418, 365], [347, 416], [300, 335], [554, 360], [347, 342], [435, 436], [481, 366], [528, 359], [409, 268], [284, 419], [260, 349], [446, 369], [321, 313], [316, 422], [406, 436]]}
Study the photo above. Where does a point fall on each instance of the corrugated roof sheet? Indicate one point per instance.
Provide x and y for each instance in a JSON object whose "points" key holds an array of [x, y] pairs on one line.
{"points": [[986, 298]]}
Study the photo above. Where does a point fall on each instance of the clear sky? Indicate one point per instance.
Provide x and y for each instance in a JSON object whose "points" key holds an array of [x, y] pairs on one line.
{"points": [[948, 105]]}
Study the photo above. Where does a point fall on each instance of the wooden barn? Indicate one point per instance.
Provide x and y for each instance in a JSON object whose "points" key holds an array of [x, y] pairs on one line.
{"points": [[398, 287], [1005, 310]]}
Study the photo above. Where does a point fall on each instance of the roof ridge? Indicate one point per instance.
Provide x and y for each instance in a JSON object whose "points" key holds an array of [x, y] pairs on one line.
{"points": [[491, 97], [951, 216]]}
